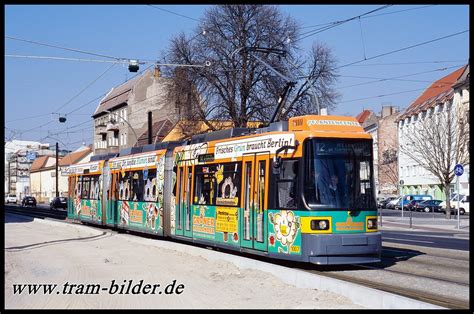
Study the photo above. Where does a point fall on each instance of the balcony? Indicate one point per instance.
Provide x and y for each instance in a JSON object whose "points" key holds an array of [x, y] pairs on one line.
{"points": [[101, 145], [113, 141], [112, 126]]}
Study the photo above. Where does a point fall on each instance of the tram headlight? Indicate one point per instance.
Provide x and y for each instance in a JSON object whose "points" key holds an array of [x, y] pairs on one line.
{"points": [[322, 224], [371, 223]]}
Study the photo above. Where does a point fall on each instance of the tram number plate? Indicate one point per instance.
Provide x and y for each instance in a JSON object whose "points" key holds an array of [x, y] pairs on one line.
{"points": [[295, 249]]}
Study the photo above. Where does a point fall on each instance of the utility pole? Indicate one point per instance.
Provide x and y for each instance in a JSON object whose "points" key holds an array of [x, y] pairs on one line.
{"points": [[57, 155], [150, 126]]}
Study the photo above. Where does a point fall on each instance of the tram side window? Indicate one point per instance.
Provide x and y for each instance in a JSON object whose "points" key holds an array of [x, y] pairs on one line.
{"points": [[137, 186], [287, 184], [85, 187], [150, 192], [205, 185], [228, 181], [78, 189], [124, 187], [94, 188]]}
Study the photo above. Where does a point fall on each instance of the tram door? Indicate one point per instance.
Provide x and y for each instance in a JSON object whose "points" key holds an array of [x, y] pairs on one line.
{"points": [[72, 196], [183, 215], [255, 199]]}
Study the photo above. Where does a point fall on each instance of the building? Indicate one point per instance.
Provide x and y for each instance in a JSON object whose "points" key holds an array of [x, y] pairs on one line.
{"points": [[383, 132], [446, 95], [122, 115], [369, 121], [461, 101], [388, 151], [19, 156], [43, 174]]}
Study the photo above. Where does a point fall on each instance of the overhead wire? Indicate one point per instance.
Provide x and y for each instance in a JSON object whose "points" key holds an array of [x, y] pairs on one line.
{"points": [[64, 48], [379, 96], [370, 16], [338, 23], [403, 49], [397, 78], [85, 88], [169, 11]]}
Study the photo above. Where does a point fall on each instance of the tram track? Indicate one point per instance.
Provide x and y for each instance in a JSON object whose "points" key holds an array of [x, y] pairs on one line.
{"points": [[447, 302], [335, 272], [37, 212], [415, 275], [406, 253]]}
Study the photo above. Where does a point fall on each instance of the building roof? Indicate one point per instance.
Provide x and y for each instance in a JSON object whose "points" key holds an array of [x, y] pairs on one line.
{"points": [[160, 130], [463, 78], [38, 163], [361, 117], [74, 157], [118, 95], [439, 91]]}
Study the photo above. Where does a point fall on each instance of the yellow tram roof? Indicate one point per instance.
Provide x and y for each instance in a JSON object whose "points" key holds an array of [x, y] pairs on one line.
{"points": [[299, 129]]}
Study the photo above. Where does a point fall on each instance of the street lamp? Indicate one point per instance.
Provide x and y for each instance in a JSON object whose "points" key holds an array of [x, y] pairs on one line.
{"points": [[133, 130]]}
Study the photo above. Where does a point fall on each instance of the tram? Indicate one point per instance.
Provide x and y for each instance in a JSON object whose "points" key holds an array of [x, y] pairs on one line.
{"points": [[300, 190]]}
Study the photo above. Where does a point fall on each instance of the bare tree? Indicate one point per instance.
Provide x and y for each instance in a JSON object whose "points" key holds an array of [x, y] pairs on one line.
{"points": [[388, 169], [237, 86], [437, 143]]}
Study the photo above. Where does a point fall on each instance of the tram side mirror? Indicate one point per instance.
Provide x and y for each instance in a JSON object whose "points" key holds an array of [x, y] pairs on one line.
{"points": [[277, 165]]}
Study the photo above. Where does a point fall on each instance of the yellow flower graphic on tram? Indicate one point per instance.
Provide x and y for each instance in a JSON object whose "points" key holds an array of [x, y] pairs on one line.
{"points": [[286, 224]]}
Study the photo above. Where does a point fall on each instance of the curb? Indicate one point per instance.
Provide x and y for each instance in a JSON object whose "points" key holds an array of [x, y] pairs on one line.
{"points": [[463, 229], [358, 294]]}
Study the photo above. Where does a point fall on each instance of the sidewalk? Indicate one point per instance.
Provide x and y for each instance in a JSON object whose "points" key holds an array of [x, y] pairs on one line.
{"points": [[211, 279], [425, 224]]}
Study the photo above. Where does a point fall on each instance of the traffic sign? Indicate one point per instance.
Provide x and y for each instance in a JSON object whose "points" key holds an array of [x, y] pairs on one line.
{"points": [[458, 170]]}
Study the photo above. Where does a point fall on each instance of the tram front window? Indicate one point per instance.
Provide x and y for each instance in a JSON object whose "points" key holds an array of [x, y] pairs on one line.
{"points": [[338, 174]]}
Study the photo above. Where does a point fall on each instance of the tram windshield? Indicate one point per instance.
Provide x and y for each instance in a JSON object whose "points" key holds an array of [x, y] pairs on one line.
{"points": [[338, 174]]}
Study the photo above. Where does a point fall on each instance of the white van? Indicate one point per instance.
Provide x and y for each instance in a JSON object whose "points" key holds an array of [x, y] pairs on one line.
{"points": [[463, 204], [11, 198]]}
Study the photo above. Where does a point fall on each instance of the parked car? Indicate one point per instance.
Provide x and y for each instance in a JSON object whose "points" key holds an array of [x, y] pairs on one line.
{"points": [[412, 204], [11, 198], [383, 203], [391, 204], [406, 203], [58, 202], [453, 199], [28, 201], [463, 206], [429, 206]]}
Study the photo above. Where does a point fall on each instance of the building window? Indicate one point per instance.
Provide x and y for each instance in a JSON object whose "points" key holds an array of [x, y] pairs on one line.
{"points": [[440, 107], [125, 139], [116, 135]]}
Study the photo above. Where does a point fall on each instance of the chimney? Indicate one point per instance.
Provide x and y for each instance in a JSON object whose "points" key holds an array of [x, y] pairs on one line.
{"points": [[387, 110], [156, 74]]}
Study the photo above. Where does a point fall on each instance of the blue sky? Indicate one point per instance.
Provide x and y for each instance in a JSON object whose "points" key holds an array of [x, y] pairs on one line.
{"points": [[38, 91]]}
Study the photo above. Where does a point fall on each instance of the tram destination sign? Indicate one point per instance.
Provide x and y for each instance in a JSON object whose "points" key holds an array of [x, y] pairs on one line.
{"points": [[80, 168], [134, 161], [206, 157], [268, 143]]}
